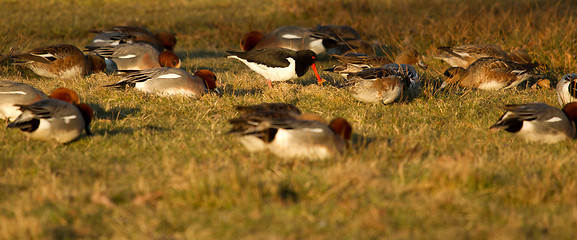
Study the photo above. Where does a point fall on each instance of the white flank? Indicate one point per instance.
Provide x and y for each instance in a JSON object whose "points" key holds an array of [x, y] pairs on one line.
{"points": [[554, 119], [68, 118], [98, 40], [531, 132], [493, 85], [291, 144], [317, 46], [127, 56], [9, 111], [170, 75], [71, 72], [15, 92], [177, 92]]}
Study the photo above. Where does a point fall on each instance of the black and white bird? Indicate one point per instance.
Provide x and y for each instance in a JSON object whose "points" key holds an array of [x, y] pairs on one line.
{"points": [[53, 120], [539, 122], [286, 132], [278, 64]]}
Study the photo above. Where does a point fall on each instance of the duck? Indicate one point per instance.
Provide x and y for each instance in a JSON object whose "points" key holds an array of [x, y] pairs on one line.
{"points": [[281, 108], [348, 39], [53, 120], [138, 56], [289, 37], [118, 35], [355, 62], [170, 82], [12, 93], [488, 73], [465, 55], [62, 61], [567, 89], [376, 85], [16, 93], [539, 122], [278, 64], [304, 136]]}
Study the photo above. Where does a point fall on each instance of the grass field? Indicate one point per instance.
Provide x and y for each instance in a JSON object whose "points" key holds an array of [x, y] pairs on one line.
{"points": [[163, 168]]}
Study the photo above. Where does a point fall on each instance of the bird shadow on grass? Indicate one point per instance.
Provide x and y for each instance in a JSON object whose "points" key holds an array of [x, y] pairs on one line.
{"points": [[114, 114], [328, 80], [128, 130], [184, 55], [360, 142], [229, 89]]}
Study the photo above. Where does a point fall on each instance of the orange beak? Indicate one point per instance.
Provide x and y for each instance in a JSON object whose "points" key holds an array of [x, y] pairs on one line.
{"points": [[317, 74]]}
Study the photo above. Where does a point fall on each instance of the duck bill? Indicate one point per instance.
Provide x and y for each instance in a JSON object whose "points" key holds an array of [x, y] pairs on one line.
{"points": [[422, 64], [320, 81]]}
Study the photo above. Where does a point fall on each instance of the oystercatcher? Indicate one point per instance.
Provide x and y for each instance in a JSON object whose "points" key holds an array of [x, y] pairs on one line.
{"points": [[278, 64]]}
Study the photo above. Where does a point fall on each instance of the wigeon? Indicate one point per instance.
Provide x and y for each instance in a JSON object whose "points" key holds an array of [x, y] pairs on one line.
{"points": [[567, 89], [12, 93], [354, 62], [62, 61], [376, 85], [521, 56], [170, 81], [53, 120], [281, 108], [488, 74], [289, 37], [138, 56], [278, 64], [65, 94], [349, 39], [412, 87], [465, 55], [304, 136], [15, 93], [539, 122], [339, 32], [132, 34]]}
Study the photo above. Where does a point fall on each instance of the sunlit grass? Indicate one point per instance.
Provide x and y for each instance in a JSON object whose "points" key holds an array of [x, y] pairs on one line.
{"points": [[164, 168]]}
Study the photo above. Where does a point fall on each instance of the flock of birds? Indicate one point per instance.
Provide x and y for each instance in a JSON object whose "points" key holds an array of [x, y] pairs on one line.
{"points": [[147, 64]]}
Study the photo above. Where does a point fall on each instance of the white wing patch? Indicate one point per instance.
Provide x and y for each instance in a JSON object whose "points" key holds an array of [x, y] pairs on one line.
{"points": [[317, 130], [98, 40], [291, 36], [46, 55], [518, 71], [68, 118], [170, 75], [463, 54], [554, 119], [14, 92], [127, 56]]}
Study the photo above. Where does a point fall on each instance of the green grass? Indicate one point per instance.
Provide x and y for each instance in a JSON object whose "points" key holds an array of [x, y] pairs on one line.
{"points": [[163, 168]]}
